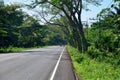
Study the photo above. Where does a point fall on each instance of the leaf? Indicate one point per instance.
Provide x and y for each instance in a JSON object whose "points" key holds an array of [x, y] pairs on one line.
{"points": [[3, 32]]}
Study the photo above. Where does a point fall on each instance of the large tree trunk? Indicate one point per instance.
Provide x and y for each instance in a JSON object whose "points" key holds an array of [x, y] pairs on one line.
{"points": [[85, 44], [72, 42], [78, 39], [84, 41]]}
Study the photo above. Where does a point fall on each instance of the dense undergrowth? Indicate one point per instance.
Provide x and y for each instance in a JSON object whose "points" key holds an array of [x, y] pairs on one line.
{"points": [[12, 49], [89, 68], [16, 49]]}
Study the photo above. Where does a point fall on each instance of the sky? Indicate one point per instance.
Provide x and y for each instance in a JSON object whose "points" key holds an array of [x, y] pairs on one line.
{"points": [[95, 10], [85, 14], [15, 1]]}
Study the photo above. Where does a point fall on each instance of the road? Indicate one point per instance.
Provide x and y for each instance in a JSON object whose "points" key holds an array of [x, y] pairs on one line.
{"points": [[51, 63]]}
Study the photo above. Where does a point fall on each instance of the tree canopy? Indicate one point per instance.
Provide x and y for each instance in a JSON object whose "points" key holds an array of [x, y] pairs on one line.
{"points": [[18, 29], [71, 10]]}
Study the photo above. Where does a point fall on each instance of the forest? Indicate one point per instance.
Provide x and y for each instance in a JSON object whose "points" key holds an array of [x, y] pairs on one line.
{"points": [[18, 29]]}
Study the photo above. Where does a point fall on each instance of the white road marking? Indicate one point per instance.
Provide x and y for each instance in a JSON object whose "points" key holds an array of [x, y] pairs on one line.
{"points": [[56, 66]]}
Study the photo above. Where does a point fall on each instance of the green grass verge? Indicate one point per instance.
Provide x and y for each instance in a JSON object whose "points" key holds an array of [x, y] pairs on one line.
{"points": [[12, 49], [16, 49], [90, 69]]}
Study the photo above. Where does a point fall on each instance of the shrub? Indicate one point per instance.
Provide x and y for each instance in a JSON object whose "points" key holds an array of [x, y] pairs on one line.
{"points": [[93, 52], [90, 69]]}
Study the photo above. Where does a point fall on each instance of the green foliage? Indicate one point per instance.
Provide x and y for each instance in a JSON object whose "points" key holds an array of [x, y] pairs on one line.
{"points": [[3, 32], [90, 69], [101, 61], [71, 11], [93, 52], [18, 29], [10, 16], [11, 49], [116, 0], [104, 38]]}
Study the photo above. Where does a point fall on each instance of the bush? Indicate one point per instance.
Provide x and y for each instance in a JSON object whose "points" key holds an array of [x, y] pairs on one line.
{"points": [[93, 52], [11, 49], [90, 69]]}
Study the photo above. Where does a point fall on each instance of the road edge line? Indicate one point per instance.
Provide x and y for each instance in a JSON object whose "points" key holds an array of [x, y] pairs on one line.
{"points": [[56, 66]]}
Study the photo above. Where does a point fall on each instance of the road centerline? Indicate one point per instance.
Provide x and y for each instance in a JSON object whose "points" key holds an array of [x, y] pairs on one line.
{"points": [[56, 66]]}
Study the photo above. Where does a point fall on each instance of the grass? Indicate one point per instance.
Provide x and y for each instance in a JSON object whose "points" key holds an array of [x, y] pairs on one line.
{"points": [[15, 49], [11, 49], [90, 69]]}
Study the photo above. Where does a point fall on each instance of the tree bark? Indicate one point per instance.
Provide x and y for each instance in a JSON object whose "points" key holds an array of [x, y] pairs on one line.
{"points": [[84, 41]]}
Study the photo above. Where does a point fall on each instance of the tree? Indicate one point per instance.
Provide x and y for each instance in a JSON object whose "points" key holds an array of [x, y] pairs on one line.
{"points": [[109, 30], [10, 17], [71, 9], [116, 0], [18, 29]]}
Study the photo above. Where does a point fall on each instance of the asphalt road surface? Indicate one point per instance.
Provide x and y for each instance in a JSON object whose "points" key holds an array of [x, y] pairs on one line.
{"points": [[51, 63]]}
